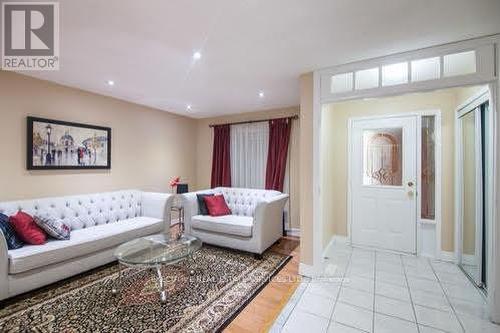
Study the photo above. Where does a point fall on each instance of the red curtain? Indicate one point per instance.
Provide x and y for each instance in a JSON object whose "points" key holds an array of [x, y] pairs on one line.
{"points": [[221, 159], [279, 137]]}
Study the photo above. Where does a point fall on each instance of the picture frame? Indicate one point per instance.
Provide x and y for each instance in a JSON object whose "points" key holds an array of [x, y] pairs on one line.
{"points": [[62, 145]]}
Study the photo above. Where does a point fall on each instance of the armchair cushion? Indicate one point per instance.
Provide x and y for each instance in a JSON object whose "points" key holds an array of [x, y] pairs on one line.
{"points": [[228, 224], [13, 241], [202, 207], [217, 205]]}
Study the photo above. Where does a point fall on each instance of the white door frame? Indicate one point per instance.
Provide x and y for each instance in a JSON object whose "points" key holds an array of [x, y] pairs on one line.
{"points": [[488, 74], [470, 106], [438, 170]]}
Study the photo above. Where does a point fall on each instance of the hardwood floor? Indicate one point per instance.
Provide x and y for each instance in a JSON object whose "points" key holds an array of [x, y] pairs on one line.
{"points": [[260, 313]]}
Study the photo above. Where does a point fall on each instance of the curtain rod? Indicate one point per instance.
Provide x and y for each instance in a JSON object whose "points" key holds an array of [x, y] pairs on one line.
{"points": [[254, 121]]}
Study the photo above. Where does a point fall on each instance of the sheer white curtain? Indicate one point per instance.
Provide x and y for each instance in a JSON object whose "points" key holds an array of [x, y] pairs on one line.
{"points": [[249, 145]]}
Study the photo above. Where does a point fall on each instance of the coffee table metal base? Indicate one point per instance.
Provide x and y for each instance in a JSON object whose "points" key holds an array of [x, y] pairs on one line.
{"points": [[117, 284]]}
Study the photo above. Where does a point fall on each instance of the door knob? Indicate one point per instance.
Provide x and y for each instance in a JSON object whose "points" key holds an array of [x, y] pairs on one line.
{"points": [[410, 184]]}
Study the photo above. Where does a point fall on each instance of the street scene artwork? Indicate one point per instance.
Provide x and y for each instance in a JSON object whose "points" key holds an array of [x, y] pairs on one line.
{"points": [[55, 144]]}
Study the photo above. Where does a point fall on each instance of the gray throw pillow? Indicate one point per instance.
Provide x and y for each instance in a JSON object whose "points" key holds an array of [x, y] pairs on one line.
{"points": [[202, 207], [53, 227]]}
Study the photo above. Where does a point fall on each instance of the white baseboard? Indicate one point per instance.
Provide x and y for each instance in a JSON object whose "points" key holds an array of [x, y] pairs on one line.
{"points": [[468, 259], [318, 270], [336, 239], [448, 256], [309, 270], [294, 232], [340, 239]]}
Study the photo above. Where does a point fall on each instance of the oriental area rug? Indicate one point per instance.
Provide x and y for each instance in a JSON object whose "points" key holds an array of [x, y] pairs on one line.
{"points": [[224, 282]]}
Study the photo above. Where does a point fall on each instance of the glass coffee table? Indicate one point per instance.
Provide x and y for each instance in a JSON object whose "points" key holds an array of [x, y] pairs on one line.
{"points": [[154, 252]]}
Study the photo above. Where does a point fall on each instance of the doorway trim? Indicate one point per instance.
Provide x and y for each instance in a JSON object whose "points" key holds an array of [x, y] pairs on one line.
{"points": [[419, 222], [489, 76], [468, 106]]}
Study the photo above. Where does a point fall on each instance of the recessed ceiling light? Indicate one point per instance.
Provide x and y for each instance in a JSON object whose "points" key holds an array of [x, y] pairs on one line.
{"points": [[196, 55], [110, 82], [261, 94], [188, 107]]}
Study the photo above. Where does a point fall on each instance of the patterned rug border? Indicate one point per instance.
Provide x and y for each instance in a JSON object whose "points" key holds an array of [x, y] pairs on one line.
{"points": [[103, 275], [64, 283], [257, 291]]}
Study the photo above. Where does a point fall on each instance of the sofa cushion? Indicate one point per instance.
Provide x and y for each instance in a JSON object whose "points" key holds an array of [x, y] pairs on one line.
{"points": [[26, 228], [227, 224], [54, 227], [12, 240], [202, 206], [82, 242], [217, 205]]}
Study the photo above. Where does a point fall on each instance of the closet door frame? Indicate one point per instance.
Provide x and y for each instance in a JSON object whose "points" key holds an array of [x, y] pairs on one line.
{"points": [[472, 105]]}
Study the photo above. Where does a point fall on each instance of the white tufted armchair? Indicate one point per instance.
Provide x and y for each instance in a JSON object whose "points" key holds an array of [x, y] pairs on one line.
{"points": [[255, 223]]}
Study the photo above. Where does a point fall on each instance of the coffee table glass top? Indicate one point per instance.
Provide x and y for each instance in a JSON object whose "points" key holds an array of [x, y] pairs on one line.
{"points": [[157, 250]]}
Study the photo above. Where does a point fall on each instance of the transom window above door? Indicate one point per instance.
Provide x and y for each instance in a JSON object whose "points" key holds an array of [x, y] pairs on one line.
{"points": [[467, 64]]}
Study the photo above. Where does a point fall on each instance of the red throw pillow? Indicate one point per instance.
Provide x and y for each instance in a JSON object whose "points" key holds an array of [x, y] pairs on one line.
{"points": [[216, 205], [26, 228]]}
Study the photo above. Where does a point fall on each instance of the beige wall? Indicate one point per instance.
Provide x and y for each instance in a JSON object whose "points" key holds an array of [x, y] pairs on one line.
{"points": [[306, 168], [334, 152], [148, 146], [204, 150]]}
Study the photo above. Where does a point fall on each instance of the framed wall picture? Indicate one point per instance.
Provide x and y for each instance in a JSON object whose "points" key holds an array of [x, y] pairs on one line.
{"points": [[55, 144]]}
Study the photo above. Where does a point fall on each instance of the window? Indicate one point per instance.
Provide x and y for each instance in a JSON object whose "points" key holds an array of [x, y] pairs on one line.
{"points": [[341, 83], [428, 169], [249, 146], [425, 69], [382, 162], [459, 63], [395, 74], [367, 78]]}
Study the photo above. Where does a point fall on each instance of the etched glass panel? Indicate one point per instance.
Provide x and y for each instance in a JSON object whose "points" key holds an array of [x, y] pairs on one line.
{"points": [[383, 155], [395, 74], [367, 78], [459, 63], [425, 69], [341, 83], [428, 209]]}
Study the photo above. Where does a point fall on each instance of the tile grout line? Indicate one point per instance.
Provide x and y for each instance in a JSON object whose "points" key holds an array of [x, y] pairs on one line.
{"points": [[374, 287], [447, 298], [409, 293], [340, 288]]}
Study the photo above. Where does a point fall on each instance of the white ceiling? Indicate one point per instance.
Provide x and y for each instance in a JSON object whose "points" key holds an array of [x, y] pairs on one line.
{"points": [[146, 47]]}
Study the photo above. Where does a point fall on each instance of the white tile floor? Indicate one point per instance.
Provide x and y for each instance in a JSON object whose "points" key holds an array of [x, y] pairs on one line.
{"points": [[373, 291]]}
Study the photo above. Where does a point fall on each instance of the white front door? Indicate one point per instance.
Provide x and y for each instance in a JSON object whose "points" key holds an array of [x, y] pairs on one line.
{"points": [[383, 183]]}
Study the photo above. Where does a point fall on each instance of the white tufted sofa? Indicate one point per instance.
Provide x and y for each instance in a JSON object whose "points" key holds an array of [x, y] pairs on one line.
{"points": [[99, 223], [255, 224]]}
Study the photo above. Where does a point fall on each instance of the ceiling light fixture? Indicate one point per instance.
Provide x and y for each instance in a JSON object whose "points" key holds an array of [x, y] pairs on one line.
{"points": [[110, 82], [261, 94], [197, 55], [188, 107]]}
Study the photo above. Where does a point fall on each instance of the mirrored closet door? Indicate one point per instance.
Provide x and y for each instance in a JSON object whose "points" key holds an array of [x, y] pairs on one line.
{"points": [[473, 159]]}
